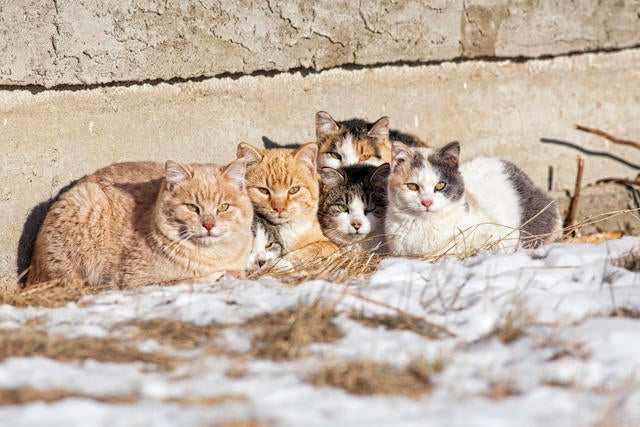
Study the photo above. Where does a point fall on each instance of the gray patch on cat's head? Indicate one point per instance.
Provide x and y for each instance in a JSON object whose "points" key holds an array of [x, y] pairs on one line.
{"points": [[540, 217], [445, 162]]}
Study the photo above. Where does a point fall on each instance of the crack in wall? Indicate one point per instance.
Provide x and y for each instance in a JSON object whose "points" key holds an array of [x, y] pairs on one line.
{"points": [[306, 71]]}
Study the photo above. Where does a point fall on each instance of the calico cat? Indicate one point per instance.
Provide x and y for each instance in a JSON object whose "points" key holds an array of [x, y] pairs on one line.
{"points": [[356, 141], [139, 223], [268, 248], [283, 187], [434, 200], [352, 205]]}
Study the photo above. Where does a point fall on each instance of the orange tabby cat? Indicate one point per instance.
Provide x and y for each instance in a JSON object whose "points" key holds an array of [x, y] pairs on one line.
{"points": [[283, 187], [138, 223]]}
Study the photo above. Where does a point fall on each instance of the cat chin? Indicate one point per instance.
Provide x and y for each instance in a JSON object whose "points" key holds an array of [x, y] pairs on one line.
{"points": [[206, 240]]}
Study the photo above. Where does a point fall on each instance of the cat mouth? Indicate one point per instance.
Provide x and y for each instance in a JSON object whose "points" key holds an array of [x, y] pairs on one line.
{"points": [[206, 239]]}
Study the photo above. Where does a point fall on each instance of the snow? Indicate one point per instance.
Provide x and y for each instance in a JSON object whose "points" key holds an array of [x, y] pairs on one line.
{"points": [[572, 365]]}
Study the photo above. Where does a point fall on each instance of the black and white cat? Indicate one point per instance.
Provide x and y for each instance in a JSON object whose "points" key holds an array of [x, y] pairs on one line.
{"points": [[352, 205], [268, 248], [436, 203], [356, 141]]}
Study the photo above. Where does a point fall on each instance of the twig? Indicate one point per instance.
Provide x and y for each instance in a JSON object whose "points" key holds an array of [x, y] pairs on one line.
{"points": [[611, 138], [573, 206], [400, 311], [619, 181]]}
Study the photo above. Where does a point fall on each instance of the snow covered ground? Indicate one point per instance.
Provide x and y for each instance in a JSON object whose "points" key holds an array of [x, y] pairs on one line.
{"points": [[531, 343]]}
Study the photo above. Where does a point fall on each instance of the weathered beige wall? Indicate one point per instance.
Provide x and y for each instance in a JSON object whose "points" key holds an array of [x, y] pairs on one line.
{"points": [[65, 111], [68, 42]]}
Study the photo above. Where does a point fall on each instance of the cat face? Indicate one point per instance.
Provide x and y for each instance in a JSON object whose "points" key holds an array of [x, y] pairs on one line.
{"points": [[203, 205], [353, 202], [348, 144], [267, 247], [282, 183], [423, 181]]}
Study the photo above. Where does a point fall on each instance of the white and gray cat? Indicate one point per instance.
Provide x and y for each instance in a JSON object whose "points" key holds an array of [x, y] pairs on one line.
{"points": [[438, 205], [352, 205], [268, 247]]}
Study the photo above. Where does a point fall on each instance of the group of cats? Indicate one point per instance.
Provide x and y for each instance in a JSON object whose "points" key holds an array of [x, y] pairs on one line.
{"points": [[360, 186]]}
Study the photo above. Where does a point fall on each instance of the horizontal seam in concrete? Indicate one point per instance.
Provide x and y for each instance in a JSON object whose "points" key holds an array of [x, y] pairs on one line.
{"points": [[305, 71]]}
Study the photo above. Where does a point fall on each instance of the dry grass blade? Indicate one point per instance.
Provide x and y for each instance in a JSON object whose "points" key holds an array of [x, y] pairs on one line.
{"points": [[29, 343], [399, 322], [176, 333], [573, 205], [368, 377], [25, 394], [435, 327], [286, 334]]}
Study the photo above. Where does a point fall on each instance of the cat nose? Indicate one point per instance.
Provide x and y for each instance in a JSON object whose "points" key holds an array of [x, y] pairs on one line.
{"points": [[356, 224], [261, 262], [208, 225], [427, 203], [278, 208]]}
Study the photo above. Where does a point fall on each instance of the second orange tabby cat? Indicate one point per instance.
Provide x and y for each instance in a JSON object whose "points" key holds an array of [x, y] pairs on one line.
{"points": [[283, 187]]}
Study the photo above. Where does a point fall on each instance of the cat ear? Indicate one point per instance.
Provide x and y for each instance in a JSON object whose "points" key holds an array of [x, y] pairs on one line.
{"points": [[400, 153], [380, 129], [449, 155], [325, 124], [175, 172], [235, 171], [250, 153], [307, 156], [330, 177], [380, 175]]}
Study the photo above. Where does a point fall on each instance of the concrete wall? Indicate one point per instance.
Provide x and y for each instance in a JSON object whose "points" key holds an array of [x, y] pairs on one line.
{"points": [[63, 112]]}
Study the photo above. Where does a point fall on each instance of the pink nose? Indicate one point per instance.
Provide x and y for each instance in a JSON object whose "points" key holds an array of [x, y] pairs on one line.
{"points": [[427, 203], [208, 225], [278, 209], [356, 225]]}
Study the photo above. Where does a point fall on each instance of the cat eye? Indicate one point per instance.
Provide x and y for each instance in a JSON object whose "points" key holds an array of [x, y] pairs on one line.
{"points": [[263, 190], [192, 207], [413, 186], [370, 208], [365, 157], [341, 208], [335, 155], [223, 207], [440, 186], [294, 190]]}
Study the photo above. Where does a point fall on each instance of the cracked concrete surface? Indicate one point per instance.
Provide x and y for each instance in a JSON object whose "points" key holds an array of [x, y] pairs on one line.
{"points": [[66, 42]]}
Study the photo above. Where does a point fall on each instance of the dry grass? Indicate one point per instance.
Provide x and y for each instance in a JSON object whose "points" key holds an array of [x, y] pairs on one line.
{"points": [[629, 261], [399, 322], [338, 267], [214, 399], [368, 377], [25, 394], [178, 334], [54, 293], [27, 342], [499, 390], [511, 326], [255, 422], [286, 334], [631, 313], [236, 372]]}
